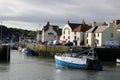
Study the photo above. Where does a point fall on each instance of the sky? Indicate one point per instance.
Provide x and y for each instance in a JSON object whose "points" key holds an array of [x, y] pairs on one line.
{"points": [[34, 14]]}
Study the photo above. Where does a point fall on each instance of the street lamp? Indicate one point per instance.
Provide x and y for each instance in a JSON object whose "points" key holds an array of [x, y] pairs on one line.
{"points": [[1, 31]]}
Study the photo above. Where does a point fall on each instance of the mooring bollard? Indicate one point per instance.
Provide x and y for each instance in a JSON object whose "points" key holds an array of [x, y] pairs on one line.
{"points": [[5, 53]]}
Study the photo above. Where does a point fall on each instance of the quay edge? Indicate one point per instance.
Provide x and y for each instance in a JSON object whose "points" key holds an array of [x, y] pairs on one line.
{"points": [[108, 54]]}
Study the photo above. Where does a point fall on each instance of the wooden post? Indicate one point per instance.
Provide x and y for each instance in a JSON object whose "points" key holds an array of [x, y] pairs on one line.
{"points": [[5, 53]]}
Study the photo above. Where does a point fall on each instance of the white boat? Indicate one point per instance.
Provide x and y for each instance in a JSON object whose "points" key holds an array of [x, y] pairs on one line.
{"points": [[118, 60], [89, 61]]}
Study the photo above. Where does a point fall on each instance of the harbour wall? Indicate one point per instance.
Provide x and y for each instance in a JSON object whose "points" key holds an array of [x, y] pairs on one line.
{"points": [[108, 54]]}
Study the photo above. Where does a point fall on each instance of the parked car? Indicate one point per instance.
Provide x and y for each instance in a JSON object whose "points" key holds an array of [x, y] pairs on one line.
{"points": [[50, 43], [68, 44], [56, 42]]}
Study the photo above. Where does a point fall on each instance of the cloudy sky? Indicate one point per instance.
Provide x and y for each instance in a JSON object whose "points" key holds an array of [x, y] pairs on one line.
{"points": [[33, 14]]}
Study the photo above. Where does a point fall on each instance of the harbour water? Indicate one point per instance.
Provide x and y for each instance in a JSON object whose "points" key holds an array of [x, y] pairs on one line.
{"points": [[23, 67]]}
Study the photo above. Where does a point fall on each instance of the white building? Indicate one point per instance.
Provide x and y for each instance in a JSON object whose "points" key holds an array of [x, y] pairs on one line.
{"points": [[74, 32], [39, 36], [49, 32]]}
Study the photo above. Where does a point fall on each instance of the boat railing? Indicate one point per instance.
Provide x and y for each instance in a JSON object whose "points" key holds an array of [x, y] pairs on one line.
{"points": [[92, 54]]}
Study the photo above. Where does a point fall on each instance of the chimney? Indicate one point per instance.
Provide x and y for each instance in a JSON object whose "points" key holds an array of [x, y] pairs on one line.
{"points": [[83, 22], [48, 23], [68, 22], [94, 24]]}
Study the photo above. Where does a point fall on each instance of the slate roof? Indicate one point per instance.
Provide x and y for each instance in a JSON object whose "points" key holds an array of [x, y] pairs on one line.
{"points": [[97, 29], [55, 28], [73, 25], [101, 29], [79, 27], [92, 30]]}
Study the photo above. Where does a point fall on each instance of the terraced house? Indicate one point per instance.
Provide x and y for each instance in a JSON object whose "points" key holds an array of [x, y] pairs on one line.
{"points": [[102, 34], [74, 32]]}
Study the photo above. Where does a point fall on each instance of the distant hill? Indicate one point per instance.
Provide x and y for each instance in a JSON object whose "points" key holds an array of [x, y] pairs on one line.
{"points": [[14, 33]]}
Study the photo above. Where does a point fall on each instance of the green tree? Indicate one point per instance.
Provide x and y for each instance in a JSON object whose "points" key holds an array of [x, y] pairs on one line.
{"points": [[32, 34]]}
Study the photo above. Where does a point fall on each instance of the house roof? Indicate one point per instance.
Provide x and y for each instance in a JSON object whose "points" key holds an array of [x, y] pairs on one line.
{"points": [[101, 29], [55, 28], [92, 30], [97, 29], [79, 27]]}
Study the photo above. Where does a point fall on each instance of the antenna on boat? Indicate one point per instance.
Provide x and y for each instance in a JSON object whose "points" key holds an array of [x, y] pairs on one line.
{"points": [[95, 42], [95, 46]]}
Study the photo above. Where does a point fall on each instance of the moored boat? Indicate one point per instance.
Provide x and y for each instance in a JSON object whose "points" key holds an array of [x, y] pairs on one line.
{"points": [[89, 61], [118, 60], [29, 52]]}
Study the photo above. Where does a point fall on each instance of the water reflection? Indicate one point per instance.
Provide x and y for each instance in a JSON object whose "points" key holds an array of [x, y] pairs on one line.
{"points": [[24, 67], [118, 65], [4, 67]]}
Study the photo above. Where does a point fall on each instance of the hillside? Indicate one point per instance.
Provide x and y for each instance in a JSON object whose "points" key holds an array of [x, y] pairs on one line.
{"points": [[7, 34]]}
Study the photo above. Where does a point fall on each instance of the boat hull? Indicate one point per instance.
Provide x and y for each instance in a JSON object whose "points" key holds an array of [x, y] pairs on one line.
{"points": [[76, 63], [118, 60], [68, 64]]}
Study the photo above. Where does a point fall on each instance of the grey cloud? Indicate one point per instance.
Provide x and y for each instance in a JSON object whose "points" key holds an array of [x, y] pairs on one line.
{"points": [[58, 11]]}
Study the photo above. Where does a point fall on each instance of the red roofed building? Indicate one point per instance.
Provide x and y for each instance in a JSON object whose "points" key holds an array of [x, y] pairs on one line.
{"points": [[74, 32]]}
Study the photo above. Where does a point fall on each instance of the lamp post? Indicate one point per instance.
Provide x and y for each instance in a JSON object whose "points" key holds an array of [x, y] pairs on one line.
{"points": [[1, 31]]}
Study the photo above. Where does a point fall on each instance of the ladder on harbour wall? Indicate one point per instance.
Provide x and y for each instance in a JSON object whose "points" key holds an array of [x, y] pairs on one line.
{"points": [[5, 53]]}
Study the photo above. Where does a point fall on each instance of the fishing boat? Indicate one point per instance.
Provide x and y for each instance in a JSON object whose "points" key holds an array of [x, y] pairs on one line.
{"points": [[28, 52], [89, 61]]}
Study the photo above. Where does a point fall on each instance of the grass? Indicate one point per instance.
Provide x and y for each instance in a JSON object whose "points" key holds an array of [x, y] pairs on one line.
{"points": [[44, 50]]}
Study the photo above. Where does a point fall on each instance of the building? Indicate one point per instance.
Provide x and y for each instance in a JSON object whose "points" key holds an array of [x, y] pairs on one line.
{"points": [[49, 32], [101, 34], [116, 24], [39, 36], [74, 32]]}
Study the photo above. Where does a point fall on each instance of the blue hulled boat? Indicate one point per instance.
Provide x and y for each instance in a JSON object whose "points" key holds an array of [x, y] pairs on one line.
{"points": [[89, 61]]}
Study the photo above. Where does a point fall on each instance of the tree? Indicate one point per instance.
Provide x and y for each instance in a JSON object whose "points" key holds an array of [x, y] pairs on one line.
{"points": [[32, 34]]}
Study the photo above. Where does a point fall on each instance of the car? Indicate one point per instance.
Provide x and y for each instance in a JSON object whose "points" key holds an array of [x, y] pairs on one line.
{"points": [[68, 44], [50, 43], [56, 42]]}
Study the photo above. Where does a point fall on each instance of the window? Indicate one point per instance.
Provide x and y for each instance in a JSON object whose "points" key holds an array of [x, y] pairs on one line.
{"points": [[111, 35], [63, 37], [97, 41], [68, 32], [68, 37], [74, 37], [94, 34], [50, 33], [87, 34], [87, 41], [64, 32], [98, 34]]}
